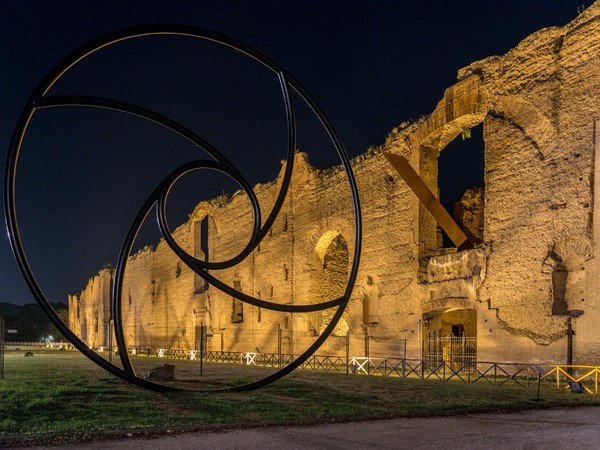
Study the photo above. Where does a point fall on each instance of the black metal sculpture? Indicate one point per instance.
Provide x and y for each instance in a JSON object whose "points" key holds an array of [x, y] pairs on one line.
{"points": [[158, 198]]}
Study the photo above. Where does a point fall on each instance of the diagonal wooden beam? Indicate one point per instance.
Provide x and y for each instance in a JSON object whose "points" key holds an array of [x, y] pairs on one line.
{"points": [[433, 205]]}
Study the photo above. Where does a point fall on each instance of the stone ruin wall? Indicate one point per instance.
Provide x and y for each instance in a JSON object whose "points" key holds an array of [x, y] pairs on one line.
{"points": [[89, 311], [539, 162], [160, 304], [538, 105]]}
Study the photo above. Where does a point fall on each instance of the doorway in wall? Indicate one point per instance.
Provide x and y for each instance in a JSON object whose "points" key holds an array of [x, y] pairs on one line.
{"points": [[450, 337]]}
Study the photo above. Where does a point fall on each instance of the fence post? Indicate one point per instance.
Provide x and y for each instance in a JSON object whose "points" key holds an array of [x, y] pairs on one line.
{"points": [[443, 369], [110, 339], [404, 359], [347, 350], [202, 343], [367, 352], [469, 368], [2, 342], [279, 345]]}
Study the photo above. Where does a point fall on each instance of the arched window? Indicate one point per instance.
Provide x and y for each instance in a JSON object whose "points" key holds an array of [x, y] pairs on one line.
{"points": [[559, 289]]}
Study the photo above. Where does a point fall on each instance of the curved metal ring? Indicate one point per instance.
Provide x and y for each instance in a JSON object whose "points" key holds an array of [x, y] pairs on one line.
{"points": [[39, 100]]}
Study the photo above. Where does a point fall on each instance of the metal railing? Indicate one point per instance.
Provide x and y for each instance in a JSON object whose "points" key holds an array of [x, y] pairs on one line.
{"points": [[2, 345], [458, 351], [526, 375], [577, 378], [451, 366]]}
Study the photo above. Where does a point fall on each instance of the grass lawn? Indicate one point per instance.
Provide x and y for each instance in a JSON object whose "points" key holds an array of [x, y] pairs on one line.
{"points": [[49, 397]]}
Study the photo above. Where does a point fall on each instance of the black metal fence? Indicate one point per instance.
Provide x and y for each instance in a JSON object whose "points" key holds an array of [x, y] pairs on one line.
{"points": [[445, 366], [16, 331], [458, 351], [1, 348]]}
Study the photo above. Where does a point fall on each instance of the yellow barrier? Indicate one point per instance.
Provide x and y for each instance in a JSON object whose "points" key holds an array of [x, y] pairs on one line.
{"points": [[564, 373]]}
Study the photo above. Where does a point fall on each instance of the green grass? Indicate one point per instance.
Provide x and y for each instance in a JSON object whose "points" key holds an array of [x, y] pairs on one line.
{"points": [[66, 395]]}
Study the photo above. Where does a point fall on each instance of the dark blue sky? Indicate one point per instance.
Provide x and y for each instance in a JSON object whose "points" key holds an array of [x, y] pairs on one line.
{"points": [[83, 173]]}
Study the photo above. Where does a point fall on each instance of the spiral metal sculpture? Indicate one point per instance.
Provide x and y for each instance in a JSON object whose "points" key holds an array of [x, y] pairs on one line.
{"points": [[158, 199]]}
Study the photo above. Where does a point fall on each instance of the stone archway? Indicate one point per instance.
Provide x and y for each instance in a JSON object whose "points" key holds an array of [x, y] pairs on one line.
{"points": [[329, 278], [450, 337], [567, 260], [464, 105]]}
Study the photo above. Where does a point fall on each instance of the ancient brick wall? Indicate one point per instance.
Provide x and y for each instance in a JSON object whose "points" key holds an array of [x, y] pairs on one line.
{"points": [[539, 161], [89, 311], [539, 105]]}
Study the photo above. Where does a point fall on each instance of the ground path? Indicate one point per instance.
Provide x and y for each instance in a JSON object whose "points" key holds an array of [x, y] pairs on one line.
{"points": [[575, 428]]}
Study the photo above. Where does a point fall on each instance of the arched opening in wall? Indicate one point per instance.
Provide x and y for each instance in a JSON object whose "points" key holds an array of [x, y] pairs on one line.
{"points": [[84, 331], [370, 312], [237, 306], [559, 289], [461, 183], [329, 277], [366, 309], [204, 234], [450, 336]]}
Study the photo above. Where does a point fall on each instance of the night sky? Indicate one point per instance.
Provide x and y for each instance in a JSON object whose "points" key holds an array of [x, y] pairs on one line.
{"points": [[83, 173]]}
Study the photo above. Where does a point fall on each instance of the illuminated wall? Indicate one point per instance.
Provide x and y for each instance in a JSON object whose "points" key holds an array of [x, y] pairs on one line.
{"points": [[537, 216]]}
